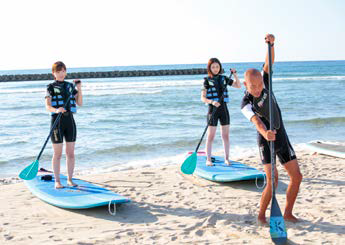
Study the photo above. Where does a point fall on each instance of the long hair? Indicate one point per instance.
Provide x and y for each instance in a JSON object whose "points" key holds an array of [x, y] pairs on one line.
{"points": [[210, 62]]}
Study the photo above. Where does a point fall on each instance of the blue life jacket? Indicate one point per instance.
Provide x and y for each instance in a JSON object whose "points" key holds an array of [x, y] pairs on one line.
{"points": [[214, 90], [60, 92]]}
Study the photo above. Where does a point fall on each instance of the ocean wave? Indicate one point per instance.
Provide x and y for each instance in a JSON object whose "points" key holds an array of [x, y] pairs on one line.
{"points": [[309, 78], [141, 85], [175, 158], [342, 143], [120, 92], [145, 147], [23, 160], [41, 90], [162, 157], [318, 120], [103, 88], [14, 142], [128, 87]]}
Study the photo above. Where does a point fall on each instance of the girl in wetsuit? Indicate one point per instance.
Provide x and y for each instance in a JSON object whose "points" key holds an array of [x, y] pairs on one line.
{"points": [[214, 92], [56, 98]]}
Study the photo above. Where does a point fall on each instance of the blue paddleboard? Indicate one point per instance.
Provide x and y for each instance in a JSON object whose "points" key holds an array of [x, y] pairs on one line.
{"points": [[85, 195], [221, 172]]}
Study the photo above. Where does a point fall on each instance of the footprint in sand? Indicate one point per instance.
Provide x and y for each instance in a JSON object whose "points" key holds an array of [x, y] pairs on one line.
{"points": [[199, 232], [8, 236], [162, 194], [211, 221]]}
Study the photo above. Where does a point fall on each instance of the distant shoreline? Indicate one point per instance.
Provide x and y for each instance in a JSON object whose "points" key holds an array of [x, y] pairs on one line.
{"points": [[104, 74]]}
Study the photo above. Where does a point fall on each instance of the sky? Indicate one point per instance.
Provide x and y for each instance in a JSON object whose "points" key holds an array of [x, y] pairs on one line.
{"points": [[84, 33]]}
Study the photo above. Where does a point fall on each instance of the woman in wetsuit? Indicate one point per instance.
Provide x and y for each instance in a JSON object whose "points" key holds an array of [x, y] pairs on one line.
{"points": [[56, 98], [215, 94]]}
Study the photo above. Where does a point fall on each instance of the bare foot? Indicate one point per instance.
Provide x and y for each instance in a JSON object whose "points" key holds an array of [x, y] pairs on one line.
{"points": [[209, 163], [227, 162], [58, 185], [262, 221], [71, 183], [290, 218]]}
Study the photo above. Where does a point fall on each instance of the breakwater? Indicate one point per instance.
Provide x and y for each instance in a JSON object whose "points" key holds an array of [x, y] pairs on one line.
{"points": [[104, 74]]}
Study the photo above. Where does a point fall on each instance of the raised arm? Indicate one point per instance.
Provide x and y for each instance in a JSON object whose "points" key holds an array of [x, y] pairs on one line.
{"points": [[237, 82], [79, 95], [269, 38]]}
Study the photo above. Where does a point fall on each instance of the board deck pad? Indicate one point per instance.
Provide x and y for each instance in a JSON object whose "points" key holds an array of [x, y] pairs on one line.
{"points": [[327, 149], [221, 172], [85, 195]]}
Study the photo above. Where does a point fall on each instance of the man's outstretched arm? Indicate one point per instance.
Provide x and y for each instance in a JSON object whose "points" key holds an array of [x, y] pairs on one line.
{"points": [[269, 38]]}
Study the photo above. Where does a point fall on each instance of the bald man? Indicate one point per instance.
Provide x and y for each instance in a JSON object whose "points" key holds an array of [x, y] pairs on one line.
{"points": [[255, 107]]}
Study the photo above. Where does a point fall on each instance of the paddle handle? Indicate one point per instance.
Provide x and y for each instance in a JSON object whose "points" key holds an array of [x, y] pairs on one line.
{"points": [[54, 126], [209, 121], [273, 157]]}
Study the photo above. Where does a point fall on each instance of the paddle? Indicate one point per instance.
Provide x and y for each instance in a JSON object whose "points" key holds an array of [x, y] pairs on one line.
{"points": [[30, 172], [188, 166], [277, 225]]}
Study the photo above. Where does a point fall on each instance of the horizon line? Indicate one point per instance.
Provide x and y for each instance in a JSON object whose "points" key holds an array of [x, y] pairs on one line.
{"points": [[170, 64]]}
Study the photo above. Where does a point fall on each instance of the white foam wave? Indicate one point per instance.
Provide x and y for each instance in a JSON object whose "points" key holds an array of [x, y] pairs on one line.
{"points": [[120, 92], [236, 153], [310, 78], [135, 164], [141, 85], [22, 90], [93, 88]]}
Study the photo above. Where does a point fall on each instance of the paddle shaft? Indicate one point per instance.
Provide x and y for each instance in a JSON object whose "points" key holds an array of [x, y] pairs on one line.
{"points": [[277, 225], [273, 157], [209, 121], [54, 126]]}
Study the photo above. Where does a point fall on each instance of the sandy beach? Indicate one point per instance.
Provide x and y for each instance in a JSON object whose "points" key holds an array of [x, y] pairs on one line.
{"points": [[170, 208]]}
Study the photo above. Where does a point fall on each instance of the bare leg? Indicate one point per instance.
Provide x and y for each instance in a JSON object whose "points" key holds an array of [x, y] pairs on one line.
{"points": [[295, 175], [56, 164], [225, 132], [70, 162], [267, 193], [211, 132]]}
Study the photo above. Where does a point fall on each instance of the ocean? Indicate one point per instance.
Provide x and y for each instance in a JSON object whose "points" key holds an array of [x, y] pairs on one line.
{"points": [[150, 121]]}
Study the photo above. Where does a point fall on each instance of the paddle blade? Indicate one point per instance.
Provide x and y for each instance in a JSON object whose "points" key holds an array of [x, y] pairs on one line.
{"points": [[30, 171], [188, 166], [277, 225]]}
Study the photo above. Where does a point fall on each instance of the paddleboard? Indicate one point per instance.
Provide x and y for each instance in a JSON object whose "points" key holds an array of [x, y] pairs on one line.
{"points": [[85, 195], [327, 148], [221, 172]]}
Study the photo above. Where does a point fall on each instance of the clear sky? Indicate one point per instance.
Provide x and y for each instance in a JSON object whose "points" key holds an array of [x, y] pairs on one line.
{"points": [[84, 33]]}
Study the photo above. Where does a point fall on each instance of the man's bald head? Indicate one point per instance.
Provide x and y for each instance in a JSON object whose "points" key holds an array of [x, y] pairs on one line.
{"points": [[253, 82], [252, 75]]}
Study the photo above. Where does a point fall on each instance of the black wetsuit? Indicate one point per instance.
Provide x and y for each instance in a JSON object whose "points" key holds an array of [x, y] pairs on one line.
{"points": [[260, 106], [66, 127], [222, 113]]}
